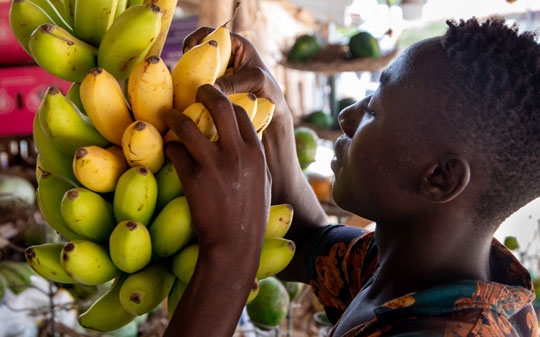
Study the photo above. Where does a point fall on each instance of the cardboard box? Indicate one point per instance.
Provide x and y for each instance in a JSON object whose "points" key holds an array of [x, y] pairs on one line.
{"points": [[21, 91], [12, 52]]}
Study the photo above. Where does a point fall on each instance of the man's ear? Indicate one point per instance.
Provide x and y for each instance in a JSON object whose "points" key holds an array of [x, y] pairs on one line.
{"points": [[446, 179]]}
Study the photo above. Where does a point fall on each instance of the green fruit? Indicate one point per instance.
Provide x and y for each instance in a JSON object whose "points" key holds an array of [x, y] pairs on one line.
{"points": [[307, 142], [511, 243], [363, 44], [345, 102], [303, 48], [320, 119], [271, 304], [293, 288]]}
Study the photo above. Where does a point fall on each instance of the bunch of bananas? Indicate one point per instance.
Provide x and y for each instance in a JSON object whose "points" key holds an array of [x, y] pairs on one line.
{"points": [[104, 183]]}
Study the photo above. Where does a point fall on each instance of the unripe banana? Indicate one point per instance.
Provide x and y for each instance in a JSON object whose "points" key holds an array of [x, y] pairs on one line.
{"points": [[222, 36], [130, 246], [60, 53], [171, 230], [169, 185], [88, 214], [107, 313], [142, 145], [174, 296], [62, 7], [99, 169], [183, 263], [17, 274], [105, 104], [135, 195], [24, 17], [67, 127], [45, 260], [168, 8], [88, 262], [128, 40], [120, 7], [276, 254], [144, 290], [198, 66], [279, 220], [74, 96], [92, 19], [264, 114], [150, 91], [49, 194], [246, 100], [56, 11]]}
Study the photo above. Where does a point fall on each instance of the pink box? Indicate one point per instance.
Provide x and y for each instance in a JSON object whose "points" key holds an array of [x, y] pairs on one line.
{"points": [[11, 51], [21, 91]]}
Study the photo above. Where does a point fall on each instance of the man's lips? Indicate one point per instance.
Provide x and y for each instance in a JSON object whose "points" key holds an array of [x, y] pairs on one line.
{"points": [[339, 149]]}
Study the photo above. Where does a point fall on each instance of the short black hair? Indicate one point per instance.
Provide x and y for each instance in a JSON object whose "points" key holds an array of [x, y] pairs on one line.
{"points": [[498, 68]]}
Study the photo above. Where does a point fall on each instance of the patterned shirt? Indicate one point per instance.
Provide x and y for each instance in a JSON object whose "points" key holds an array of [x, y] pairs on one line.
{"points": [[342, 263]]}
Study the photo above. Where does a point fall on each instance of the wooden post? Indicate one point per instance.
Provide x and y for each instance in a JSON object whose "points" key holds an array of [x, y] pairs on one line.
{"points": [[214, 13]]}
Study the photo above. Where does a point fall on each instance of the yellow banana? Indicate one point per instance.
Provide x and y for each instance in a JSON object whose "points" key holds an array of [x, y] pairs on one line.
{"points": [[174, 296], [222, 36], [128, 40], [142, 145], [105, 104], [135, 195], [167, 7], [198, 113], [198, 66], [107, 313], [65, 125], [130, 246], [169, 185], [51, 159], [45, 260], [92, 19], [49, 194], [88, 214], [60, 53], [279, 220], [246, 100], [183, 263], [171, 230], [264, 114], [88, 262], [24, 17], [276, 254], [99, 169], [254, 291], [144, 290], [150, 91], [56, 11]]}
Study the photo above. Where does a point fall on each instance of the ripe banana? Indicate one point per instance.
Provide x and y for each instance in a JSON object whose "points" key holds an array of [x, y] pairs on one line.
{"points": [[24, 17], [198, 113], [67, 128], [107, 313], [55, 13], [45, 260], [167, 7], [142, 145], [144, 290], [60, 53], [135, 195], [129, 38], [169, 185], [99, 169], [92, 19], [49, 194], [183, 263], [105, 104], [130, 246], [276, 254], [88, 262], [197, 66], [88, 214], [222, 36], [171, 230], [150, 91], [254, 291], [246, 100], [174, 296], [279, 220], [264, 114]]}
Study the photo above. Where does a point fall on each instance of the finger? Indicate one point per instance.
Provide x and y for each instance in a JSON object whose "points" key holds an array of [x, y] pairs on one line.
{"points": [[195, 37], [245, 126], [250, 79]]}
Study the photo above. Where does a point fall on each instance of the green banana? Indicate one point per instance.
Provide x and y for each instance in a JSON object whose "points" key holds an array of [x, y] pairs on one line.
{"points": [[144, 290], [60, 53], [183, 263], [88, 262], [129, 38], [134, 2], [171, 229], [45, 260], [135, 195], [65, 125], [88, 214], [121, 6], [107, 313], [3, 287], [56, 13], [130, 246], [279, 220], [49, 194], [17, 274], [276, 254], [62, 7], [92, 19], [51, 159], [169, 185], [24, 17], [174, 296], [74, 96]]}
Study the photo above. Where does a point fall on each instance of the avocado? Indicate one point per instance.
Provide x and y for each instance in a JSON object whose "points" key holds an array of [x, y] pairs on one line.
{"points": [[303, 48], [363, 44]]}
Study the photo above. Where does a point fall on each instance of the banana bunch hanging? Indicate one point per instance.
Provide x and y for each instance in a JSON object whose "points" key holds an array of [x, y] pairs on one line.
{"points": [[104, 183]]}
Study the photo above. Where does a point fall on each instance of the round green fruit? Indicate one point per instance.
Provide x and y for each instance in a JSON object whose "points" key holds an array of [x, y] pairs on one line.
{"points": [[271, 304], [363, 44], [320, 119], [293, 288], [307, 142], [511, 243], [304, 47], [345, 102]]}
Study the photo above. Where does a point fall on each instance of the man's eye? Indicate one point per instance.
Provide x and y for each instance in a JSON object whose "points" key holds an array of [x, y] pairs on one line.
{"points": [[370, 112]]}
